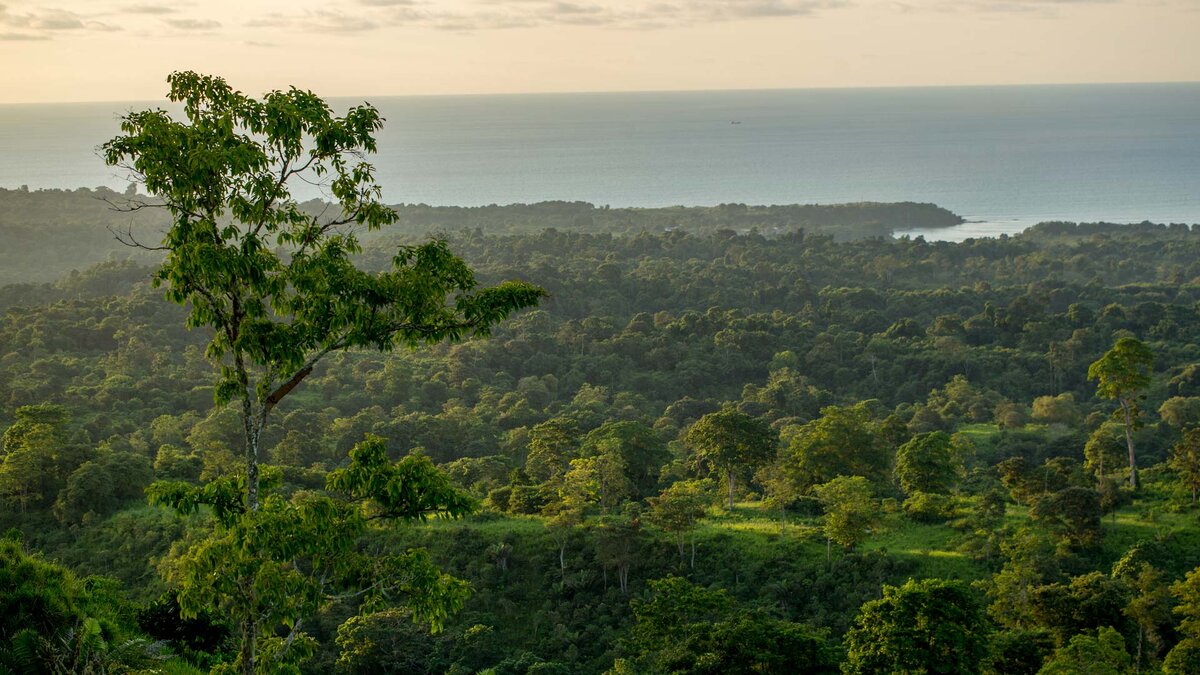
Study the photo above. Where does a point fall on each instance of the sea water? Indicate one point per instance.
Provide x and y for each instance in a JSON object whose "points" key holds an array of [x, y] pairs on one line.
{"points": [[1003, 158]]}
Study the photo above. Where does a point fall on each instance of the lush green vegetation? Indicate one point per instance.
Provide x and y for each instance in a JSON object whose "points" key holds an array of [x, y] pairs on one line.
{"points": [[735, 446]]}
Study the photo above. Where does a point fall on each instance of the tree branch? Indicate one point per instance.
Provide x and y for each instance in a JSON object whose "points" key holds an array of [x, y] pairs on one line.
{"points": [[126, 238], [284, 389]]}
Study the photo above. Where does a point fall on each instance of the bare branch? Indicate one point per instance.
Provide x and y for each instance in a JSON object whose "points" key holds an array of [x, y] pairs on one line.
{"points": [[127, 239]]}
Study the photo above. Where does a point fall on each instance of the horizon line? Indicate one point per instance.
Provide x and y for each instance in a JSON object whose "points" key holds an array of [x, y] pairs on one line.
{"points": [[580, 92]]}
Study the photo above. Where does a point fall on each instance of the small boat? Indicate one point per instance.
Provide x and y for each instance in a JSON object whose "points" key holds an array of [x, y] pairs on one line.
{"points": [[735, 121]]}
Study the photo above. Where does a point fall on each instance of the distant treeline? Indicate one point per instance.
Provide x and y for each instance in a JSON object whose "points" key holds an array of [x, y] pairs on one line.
{"points": [[45, 234], [843, 221]]}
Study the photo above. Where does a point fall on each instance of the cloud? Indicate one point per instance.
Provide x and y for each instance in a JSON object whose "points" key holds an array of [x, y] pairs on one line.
{"points": [[337, 22], [44, 24], [148, 9], [1045, 7], [648, 15], [368, 15], [193, 24], [318, 21], [22, 37]]}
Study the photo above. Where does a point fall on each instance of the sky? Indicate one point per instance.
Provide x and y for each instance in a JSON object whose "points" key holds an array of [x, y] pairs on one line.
{"points": [[97, 50]]}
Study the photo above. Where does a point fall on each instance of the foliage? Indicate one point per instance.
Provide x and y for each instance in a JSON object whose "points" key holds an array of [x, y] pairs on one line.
{"points": [[1121, 375], [1185, 460], [929, 626], [280, 563], [730, 443], [683, 628], [850, 509], [842, 442], [927, 463], [654, 329], [277, 289], [1103, 654], [678, 508]]}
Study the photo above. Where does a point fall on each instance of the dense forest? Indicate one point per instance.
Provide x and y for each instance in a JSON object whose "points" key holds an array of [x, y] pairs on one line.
{"points": [[924, 472], [244, 434]]}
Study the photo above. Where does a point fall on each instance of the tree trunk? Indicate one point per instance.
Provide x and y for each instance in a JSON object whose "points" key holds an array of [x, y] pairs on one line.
{"points": [[249, 644], [253, 427], [828, 551], [562, 563], [693, 565], [1137, 664], [731, 489], [1133, 473], [252, 436]]}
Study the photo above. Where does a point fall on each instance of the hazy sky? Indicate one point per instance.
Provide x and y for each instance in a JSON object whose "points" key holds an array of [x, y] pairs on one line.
{"points": [[96, 50]]}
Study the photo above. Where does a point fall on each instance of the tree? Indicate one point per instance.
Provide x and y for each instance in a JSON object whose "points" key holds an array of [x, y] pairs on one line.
{"points": [[389, 643], [273, 283], [927, 626], [1017, 477], [563, 517], [616, 545], [1060, 409], [638, 447], [1103, 654], [1182, 659], [1073, 514], [1029, 560], [850, 510], [1104, 449], [1122, 374], [1018, 651], [102, 485], [1150, 608], [51, 621], [729, 443], [683, 628], [927, 463], [1087, 602], [984, 525], [677, 509], [552, 446], [1180, 412], [37, 456], [844, 441], [1185, 460], [275, 566]]}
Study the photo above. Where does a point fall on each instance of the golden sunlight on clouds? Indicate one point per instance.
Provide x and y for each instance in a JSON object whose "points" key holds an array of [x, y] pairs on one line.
{"points": [[89, 50]]}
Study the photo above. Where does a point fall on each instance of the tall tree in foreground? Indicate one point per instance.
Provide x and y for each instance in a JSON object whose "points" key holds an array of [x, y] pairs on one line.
{"points": [[1122, 374], [273, 282]]}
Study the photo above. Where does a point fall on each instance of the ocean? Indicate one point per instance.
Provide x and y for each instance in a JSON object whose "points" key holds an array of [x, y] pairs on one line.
{"points": [[1004, 158]]}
